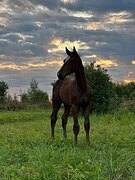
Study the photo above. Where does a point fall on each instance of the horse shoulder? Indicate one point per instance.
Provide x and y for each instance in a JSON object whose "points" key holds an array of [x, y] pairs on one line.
{"points": [[65, 90], [56, 90]]}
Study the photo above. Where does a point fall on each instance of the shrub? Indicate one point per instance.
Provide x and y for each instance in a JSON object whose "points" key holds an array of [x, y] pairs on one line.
{"points": [[39, 96], [34, 96], [102, 87], [3, 90]]}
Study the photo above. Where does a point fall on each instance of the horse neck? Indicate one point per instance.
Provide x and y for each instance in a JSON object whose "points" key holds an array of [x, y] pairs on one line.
{"points": [[81, 79]]}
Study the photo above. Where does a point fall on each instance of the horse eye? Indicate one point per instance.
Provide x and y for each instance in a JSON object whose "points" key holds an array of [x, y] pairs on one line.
{"points": [[67, 59], [68, 62]]}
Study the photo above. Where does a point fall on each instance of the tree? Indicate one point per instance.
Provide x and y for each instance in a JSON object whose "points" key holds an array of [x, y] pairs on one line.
{"points": [[33, 87], [39, 96], [101, 85], [34, 94], [24, 97], [125, 91], [3, 90]]}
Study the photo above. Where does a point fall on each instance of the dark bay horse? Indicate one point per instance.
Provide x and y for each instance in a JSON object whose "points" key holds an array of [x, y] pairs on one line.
{"points": [[73, 92]]}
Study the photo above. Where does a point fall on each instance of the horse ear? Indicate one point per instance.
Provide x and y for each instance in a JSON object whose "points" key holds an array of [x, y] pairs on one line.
{"points": [[67, 51], [74, 50]]}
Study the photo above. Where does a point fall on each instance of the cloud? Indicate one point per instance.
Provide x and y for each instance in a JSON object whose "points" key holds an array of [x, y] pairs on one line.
{"points": [[30, 65], [34, 34], [3, 21], [11, 66], [106, 63], [102, 6], [68, 1], [53, 4], [60, 44], [78, 14], [119, 17]]}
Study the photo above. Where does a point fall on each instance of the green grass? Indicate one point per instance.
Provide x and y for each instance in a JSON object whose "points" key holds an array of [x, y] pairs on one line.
{"points": [[27, 151]]}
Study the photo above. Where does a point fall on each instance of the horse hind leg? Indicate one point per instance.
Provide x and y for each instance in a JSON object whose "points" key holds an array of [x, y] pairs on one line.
{"points": [[64, 120], [87, 123], [76, 126], [56, 108]]}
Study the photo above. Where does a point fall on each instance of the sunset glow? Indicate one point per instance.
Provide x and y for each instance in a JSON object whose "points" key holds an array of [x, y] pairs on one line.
{"points": [[94, 26], [61, 44], [3, 21], [31, 65], [5, 8], [11, 66], [43, 65], [120, 17], [77, 13], [129, 80], [106, 63], [90, 56], [130, 77], [68, 1]]}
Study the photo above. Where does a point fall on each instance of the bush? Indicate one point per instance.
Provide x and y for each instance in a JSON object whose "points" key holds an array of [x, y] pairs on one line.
{"points": [[102, 87], [39, 96], [126, 91], [24, 97], [34, 96], [3, 90]]}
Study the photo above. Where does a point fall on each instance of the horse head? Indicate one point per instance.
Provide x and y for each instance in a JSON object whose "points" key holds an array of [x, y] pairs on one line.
{"points": [[71, 64]]}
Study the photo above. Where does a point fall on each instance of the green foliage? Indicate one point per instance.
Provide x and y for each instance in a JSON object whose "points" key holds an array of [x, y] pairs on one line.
{"points": [[27, 151], [34, 94], [108, 96], [33, 87], [3, 90], [24, 97], [102, 87], [126, 91], [39, 96], [32, 98], [124, 96]]}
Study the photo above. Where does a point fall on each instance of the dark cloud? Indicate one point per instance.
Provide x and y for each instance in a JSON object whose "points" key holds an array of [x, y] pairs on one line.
{"points": [[20, 6], [102, 6], [29, 27], [53, 4]]}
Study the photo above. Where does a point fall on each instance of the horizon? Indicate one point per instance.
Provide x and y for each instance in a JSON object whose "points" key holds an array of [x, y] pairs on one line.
{"points": [[34, 34]]}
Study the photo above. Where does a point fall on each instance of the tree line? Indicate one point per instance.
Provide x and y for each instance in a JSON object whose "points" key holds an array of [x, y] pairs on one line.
{"points": [[34, 97], [107, 95]]}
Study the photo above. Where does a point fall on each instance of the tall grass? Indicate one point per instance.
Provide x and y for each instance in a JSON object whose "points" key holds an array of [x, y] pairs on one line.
{"points": [[28, 152]]}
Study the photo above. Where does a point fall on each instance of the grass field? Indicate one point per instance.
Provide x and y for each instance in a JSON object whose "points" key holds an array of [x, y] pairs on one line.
{"points": [[27, 151]]}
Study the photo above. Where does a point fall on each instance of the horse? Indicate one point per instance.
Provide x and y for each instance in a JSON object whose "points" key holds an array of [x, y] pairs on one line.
{"points": [[74, 92]]}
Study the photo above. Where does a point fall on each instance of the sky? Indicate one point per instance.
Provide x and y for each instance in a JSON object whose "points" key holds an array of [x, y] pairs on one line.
{"points": [[34, 34]]}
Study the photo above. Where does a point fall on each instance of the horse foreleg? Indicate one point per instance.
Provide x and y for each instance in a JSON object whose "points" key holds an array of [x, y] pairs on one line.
{"points": [[64, 120], [53, 122], [87, 123], [76, 126], [54, 119]]}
